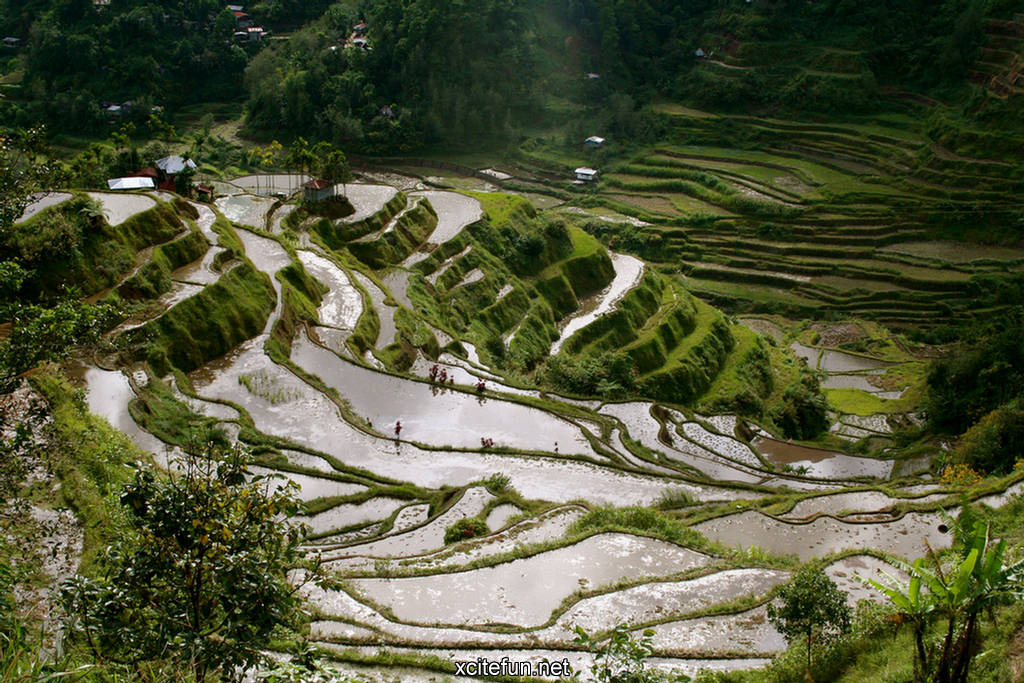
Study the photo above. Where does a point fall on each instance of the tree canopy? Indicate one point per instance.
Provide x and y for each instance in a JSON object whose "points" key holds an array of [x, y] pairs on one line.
{"points": [[200, 580]]}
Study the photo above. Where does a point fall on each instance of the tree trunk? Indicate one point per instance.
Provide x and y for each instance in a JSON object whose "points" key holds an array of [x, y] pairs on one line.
{"points": [[810, 636], [965, 652], [944, 670]]}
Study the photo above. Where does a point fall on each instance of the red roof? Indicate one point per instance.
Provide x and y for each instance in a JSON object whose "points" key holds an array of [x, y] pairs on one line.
{"points": [[317, 184], [149, 172], [240, 14]]}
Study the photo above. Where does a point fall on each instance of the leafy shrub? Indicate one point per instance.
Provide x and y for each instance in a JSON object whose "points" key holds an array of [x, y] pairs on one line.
{"points": [[965, 386], [498, 483], [674, 498], [467, 527], [611, 374], [995, 441], [804, 412]]}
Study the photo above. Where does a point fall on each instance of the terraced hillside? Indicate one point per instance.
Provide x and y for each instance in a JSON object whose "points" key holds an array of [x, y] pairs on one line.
{"points": [[386, 362], [869, 219]]}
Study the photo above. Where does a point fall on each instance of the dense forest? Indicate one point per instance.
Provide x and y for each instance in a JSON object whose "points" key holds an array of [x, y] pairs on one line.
{"points": [[421, 72]]}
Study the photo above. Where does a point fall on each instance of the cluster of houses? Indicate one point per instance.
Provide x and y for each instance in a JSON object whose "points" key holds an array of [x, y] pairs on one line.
{"points": [[358, 38], [158, 176], [245, 27], [585, 174]]}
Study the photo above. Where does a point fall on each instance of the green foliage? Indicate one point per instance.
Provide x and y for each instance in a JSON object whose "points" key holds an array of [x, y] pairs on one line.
{"points": [[622, 658], [201, 580], [803, 413], [21, 173], [610, 374], [444, 71], [813, 607], [168, 54], [498, 483], [978, 579], [964, 386], [635, 46], [996, 441], [331, 164], [48, 333], [467, 527], [674, 498]]}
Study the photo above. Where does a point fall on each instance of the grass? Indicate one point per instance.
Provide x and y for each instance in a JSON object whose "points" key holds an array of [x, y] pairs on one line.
{"points": [[263, 385], [91, 464], [206, 325], [503, 209], [859, 402]]}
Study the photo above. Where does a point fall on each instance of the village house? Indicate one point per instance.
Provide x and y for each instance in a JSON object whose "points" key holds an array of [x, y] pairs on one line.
{"points": [[242, 20], [594, 142], [253, 34], [131, 183], [203, 192], [586, 175], [168, 167], [317, 190]]}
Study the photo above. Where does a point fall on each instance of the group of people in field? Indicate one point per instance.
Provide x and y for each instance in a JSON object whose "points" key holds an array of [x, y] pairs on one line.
{"points": [[440, 376]]}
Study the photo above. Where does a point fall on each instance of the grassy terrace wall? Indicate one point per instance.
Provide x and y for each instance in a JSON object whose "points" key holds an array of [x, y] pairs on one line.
{"points": [[301, 296], [206, 325], [806, 218], [410, 231], [587, 269], [154, 278], [623, 325], [336, 233], [692, 365], [65, 245]]}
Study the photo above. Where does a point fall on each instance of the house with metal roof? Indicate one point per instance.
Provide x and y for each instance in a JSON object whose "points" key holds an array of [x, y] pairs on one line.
{"points": [[131, 183]]}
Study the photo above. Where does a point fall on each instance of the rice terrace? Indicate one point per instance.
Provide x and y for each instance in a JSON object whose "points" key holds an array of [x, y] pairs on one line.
{"points": [[585, 371]]}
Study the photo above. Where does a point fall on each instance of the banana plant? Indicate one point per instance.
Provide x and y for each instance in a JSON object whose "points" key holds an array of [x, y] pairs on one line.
{"points": [[977, 582]]}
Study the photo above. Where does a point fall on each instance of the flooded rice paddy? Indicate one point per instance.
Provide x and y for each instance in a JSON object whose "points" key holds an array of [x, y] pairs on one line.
{"points": [[342, 304], [271, 184], [748, 632], [905, 537], [244, 209], [820, 463], [42, 201], [525, 592], [350, 514], [499, 516], [628, 272], [533, 573], [452, 419], [367, 199], [119, 207]]}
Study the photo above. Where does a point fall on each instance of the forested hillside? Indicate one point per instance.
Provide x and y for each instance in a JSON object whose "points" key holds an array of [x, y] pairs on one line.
{"points": [[420, 72], [79, 56]]}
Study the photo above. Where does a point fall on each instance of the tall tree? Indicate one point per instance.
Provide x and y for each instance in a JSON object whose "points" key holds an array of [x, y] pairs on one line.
{"points": [[812, 607], [201, 579]]}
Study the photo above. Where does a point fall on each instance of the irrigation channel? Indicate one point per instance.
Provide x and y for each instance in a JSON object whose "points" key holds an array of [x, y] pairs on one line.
{"points": [[518, 590]]}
